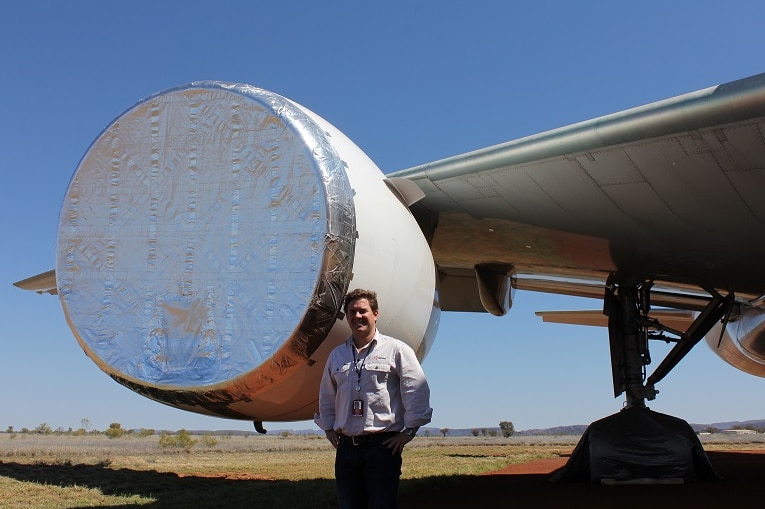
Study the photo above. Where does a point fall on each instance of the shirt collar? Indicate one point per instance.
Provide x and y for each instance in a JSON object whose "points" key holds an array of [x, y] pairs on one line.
{"points": [[375, 339]]}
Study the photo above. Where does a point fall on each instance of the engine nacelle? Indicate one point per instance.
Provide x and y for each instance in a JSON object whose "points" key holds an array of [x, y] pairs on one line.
{"points": [[743, 343], [206, 242]]}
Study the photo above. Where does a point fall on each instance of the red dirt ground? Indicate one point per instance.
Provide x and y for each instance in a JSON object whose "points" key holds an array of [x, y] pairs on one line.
{"points": [[528, 486]]}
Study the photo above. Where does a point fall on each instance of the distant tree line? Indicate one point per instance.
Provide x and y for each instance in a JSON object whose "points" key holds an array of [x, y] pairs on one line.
{"points": [[713, 429], [115, 430], [182, 439]]}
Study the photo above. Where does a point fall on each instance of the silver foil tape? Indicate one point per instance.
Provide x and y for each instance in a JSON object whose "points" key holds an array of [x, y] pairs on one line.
{"points": [[208, 231]]}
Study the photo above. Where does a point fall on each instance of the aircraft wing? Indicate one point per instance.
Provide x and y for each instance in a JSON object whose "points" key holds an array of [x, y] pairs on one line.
{"points": [[41, 283], [670, 191], [658, 205]]}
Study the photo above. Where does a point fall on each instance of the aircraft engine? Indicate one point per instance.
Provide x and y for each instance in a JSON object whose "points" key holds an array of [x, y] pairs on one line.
{"points": [[743, 343], [207, 239]]}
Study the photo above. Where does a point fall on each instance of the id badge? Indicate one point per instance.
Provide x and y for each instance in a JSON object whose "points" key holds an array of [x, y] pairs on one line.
{"points": [[357, 408]]}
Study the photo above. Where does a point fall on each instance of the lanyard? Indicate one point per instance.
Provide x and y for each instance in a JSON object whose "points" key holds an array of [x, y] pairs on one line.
{"points": [[356, 366]]}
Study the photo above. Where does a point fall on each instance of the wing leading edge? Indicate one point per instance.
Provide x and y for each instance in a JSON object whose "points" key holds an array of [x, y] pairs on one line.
{"points": [[666, 191], [656, 205]]}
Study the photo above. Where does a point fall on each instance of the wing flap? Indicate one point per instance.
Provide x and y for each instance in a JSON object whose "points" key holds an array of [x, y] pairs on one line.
{"points": [[676, 319]]}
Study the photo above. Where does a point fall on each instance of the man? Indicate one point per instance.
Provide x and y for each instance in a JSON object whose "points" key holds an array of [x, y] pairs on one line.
{"points": [[372, 400]]}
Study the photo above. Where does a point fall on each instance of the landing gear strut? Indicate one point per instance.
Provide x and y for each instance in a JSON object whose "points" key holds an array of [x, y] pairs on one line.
{"points": [[638, 443], [630, 327], [626, 308]]}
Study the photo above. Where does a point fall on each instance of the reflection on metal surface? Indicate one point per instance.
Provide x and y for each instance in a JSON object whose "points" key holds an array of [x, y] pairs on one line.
{"points": [[205, 241], [495, 287], [742, 343]]}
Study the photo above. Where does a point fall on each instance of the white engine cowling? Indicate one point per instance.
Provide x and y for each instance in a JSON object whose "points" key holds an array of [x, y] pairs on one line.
{"points": [[743, 343], [206, 242]]}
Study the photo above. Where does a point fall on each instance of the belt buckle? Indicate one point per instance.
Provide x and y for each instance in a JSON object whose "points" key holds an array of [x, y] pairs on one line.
{"points": [[356, 439]]}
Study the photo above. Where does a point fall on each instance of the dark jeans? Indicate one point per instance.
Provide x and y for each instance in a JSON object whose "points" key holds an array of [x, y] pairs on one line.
{"points": [[367, 475]]}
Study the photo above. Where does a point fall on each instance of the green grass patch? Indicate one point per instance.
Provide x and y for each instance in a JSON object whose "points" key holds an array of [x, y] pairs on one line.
{"points": [[296, 472]]}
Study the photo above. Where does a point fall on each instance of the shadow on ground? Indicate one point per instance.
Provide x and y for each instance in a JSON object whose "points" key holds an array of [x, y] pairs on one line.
{"points": [[173, 491], [742, 484], [525, 485]]}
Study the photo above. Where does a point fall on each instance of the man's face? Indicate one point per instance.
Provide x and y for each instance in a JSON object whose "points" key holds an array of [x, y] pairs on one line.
{"points": [[361, 318]]}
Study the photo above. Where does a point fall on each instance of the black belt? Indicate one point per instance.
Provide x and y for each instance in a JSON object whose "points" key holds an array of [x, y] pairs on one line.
{"points": [[371, 437]]}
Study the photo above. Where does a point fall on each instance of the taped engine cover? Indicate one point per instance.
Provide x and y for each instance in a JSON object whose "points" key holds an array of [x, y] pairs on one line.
{"points": [[207, 239]]}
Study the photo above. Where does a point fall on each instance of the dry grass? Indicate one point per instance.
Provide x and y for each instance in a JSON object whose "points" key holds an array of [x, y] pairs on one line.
{"points": [[61, 471]]}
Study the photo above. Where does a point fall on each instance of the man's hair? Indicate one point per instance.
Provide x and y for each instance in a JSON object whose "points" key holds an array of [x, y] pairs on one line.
{"points": [[360, 293]]}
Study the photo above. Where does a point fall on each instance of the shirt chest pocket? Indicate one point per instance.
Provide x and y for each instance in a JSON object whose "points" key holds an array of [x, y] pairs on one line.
{"points": [[379, 373], [340, 373]]}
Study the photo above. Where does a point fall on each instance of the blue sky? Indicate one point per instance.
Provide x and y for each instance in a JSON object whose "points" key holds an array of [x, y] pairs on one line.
{"points": [[409, 82]]}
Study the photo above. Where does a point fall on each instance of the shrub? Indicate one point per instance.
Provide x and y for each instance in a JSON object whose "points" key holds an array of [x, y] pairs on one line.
{"points": [[115, 430], [181, 440], [209, 440], [43, 429]]}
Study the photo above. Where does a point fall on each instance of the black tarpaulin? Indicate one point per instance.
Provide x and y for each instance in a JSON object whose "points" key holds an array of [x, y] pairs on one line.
{"points": [[637, 443]]}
